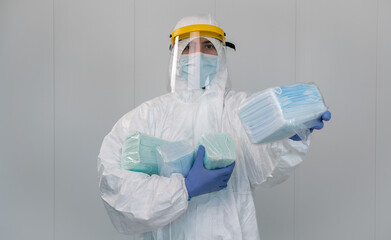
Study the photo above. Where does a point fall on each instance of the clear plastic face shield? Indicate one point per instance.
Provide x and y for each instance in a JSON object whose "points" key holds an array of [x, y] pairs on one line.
{"points": [[198, 62], [196, 57]]}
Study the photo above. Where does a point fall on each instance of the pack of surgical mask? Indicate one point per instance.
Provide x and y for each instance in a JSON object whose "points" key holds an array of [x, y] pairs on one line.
{"points": [[219, 150], [139, 153], [175, 157], [281, 112], [198, 69], [150, 155]]}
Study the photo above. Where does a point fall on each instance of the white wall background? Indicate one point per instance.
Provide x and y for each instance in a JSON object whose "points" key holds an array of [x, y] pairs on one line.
{"points": [[70, 69]]}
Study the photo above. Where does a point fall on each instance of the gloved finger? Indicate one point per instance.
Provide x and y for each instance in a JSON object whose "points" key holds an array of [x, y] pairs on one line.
{"points": [[231, 166], [227, 175], [223, 186], [295, 138], [229, 169], [326, 116], [226, 178], [319, 125], [224, 171], [200, 156]]}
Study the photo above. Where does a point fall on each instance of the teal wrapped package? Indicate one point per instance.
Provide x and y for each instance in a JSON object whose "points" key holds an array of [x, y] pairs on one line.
{"points": [[219, 150], [281, 112], [175, 157], [139, 153]]}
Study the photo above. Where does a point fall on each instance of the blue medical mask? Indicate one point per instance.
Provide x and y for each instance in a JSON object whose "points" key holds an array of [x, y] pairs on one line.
{"points": [[198, 69]]}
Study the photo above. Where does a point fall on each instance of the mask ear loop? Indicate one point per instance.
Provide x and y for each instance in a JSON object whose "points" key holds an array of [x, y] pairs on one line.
{"points": [[174, 64]]}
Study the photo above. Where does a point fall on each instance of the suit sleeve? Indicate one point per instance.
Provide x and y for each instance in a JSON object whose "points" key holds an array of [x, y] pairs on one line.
{"points": [[268, 163], [136, 202]]}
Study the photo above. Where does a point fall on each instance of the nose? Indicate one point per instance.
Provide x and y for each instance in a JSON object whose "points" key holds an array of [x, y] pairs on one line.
{"points": [[196, 46]]}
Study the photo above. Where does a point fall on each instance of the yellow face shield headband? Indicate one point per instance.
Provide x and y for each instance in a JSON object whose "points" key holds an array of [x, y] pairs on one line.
{"points": [[203, 30]]}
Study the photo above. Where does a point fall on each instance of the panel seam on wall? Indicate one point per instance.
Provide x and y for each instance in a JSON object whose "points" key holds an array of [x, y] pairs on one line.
{"points": [[134, 54], [215, 16], [295, 80], [295, 66], [54, 122], [376, 110]]}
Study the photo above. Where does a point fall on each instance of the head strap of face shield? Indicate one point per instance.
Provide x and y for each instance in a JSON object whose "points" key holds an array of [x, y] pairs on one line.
{"points": [[230, 45], [203, 30]]}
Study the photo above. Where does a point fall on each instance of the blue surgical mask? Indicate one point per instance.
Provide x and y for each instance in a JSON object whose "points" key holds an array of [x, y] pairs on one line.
{"points": [[198, 69]]}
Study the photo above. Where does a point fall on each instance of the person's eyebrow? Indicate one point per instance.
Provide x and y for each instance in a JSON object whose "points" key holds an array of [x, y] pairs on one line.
{"points": [[205, 41]]}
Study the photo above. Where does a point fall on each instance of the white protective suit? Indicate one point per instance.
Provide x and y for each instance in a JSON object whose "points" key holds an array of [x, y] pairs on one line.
{"points": [[156, 207]]}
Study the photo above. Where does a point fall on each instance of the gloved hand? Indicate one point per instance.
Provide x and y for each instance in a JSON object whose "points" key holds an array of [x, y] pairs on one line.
{"points": [[201, 180], [325, 117]]}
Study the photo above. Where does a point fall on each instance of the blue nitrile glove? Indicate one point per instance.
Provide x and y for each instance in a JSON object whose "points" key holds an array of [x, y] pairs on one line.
{"points": [[325, 117], [201, 180]]}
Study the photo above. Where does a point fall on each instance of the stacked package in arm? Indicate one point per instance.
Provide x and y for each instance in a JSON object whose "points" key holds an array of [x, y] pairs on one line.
{"points": [[150, 155], [175, 157], [219, 150], [139, 153], [281, 112]]}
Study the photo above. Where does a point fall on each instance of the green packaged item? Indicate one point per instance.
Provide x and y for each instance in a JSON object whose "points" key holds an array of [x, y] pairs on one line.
{"points": [[219, 150], [175, 157], [139, 153]]}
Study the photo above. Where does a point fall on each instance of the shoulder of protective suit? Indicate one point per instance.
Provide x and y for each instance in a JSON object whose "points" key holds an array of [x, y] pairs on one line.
{"points": [[146, 111], [158, 102], [235, 98]]}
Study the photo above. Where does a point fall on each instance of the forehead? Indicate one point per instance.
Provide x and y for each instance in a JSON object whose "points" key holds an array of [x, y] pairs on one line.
{"points": [[199, 40]]}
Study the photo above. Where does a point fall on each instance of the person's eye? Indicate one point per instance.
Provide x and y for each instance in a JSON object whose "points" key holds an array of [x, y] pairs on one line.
{"points": [[186, 50], [209, 46]]}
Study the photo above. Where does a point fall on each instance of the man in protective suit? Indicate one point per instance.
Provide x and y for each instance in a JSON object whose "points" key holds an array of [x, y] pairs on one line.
{"points": [[206, 204]]}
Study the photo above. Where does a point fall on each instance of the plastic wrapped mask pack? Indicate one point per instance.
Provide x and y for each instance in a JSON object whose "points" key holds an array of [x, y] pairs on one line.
{"points": [[281, 112], [175, 157], [139, 153], [219, 150]]}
